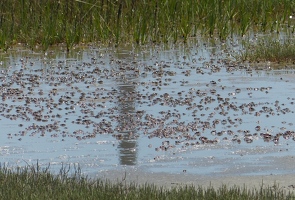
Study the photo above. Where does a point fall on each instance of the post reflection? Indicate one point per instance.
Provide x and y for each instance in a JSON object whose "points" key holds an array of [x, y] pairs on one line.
{"points": [[128, 144], [126, 107]]}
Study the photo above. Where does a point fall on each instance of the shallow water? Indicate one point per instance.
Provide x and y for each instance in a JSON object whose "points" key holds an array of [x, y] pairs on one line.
{"points": [[177, 110]]}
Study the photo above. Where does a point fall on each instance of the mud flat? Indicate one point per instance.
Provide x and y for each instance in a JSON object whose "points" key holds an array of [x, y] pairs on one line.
{"points": [[168, 180]]}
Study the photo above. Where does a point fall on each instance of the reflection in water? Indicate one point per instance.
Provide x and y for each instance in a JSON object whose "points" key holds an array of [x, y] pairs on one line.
{"points": [[127, 145], [126, 108]]}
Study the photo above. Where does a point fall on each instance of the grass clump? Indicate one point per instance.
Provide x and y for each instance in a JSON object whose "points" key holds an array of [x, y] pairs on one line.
{"points": [[269, 49], [32, 182], [71, 22]]}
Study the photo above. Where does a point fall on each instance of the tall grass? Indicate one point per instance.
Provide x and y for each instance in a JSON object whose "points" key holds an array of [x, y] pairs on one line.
{"points": [[48, 22], [32, 182]]}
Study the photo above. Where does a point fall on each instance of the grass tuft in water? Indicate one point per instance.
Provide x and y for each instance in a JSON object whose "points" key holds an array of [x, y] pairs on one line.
{"points": [[269, 49], [32, 182]]}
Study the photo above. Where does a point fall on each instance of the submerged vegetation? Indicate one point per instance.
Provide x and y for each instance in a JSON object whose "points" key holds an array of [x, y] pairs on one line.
{"points": [[32, 182], [46, 23]]}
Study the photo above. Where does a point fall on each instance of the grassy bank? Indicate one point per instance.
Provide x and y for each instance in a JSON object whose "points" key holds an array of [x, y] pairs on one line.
{"points": [[32, 182], [48, 22]]}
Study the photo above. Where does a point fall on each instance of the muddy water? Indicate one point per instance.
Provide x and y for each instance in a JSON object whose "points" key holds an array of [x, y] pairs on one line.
{"points": [[176, 110]]}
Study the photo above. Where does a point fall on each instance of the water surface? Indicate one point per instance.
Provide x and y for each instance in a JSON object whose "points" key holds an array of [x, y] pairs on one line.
{"points": [[175, 110]]}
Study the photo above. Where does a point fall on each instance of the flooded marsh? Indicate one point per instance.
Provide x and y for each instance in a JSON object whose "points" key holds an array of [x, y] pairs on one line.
{"points": [[169, 110], [44, 24]]}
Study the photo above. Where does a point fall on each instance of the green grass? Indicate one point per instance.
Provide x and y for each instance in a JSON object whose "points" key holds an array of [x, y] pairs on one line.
{"points": [[50, 22], [269, 49], [32, 182]]}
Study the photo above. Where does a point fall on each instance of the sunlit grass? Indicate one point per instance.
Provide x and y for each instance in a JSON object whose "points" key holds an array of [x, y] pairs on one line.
{"points": [[44, 23], [32, 182], [269, 49]]}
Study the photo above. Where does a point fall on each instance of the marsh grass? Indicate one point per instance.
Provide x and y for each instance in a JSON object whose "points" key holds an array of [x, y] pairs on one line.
{"points": [[40, 22], [269, 49], [33, 182]]}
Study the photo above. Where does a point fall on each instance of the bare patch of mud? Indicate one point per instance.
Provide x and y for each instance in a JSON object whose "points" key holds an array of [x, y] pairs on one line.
{"points": [[168, 180]]}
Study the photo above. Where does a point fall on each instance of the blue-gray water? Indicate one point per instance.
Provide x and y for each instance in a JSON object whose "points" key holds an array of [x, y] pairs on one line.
{"points": [[176, 110]]}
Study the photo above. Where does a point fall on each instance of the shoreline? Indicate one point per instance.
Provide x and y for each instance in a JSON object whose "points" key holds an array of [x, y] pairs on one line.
{"points": [[285, 182]]}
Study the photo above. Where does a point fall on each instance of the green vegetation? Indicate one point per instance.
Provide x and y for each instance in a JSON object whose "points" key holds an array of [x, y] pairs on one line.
{"points": [[269, 49], [49, 22], [32, 182]]}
